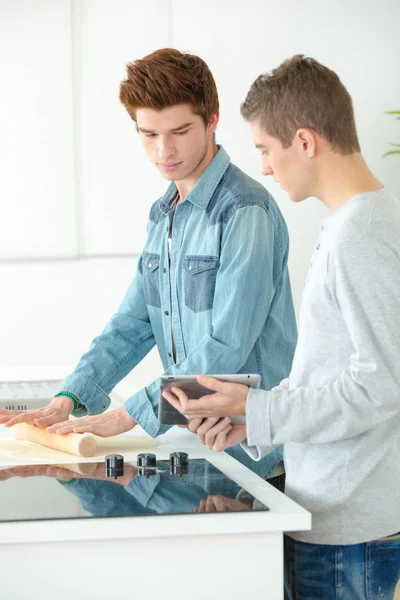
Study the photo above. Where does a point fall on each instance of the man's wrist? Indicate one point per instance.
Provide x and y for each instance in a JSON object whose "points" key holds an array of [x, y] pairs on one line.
{"points": [[64, 402], [74, 399], [127, 419], [244, 402]]}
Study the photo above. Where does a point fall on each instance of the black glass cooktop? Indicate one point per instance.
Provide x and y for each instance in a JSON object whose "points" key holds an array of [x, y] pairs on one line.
{"points": [[148, 487]]}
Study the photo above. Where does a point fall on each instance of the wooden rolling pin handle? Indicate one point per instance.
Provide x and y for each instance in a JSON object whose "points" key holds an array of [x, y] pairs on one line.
{"points": [[73, 443]]}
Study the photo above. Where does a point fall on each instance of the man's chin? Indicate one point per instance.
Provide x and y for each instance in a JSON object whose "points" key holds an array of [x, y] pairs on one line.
{"points": [[171, 176], [168, 176], [296, 198]]}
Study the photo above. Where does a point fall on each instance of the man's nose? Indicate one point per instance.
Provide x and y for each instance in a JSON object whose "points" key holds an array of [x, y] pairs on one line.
{"points": [[166, 147], [266, 169]]}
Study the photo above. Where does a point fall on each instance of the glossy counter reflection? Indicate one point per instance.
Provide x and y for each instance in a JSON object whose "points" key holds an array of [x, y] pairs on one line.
{"points": [[203, 489]]}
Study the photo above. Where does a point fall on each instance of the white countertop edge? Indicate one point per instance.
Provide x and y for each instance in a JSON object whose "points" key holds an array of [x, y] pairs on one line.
{"points": [[284, 514], [66, 530]]}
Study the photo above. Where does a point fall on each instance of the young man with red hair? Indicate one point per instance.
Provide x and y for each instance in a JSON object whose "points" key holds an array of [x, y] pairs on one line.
{"points": [[212, 288]]}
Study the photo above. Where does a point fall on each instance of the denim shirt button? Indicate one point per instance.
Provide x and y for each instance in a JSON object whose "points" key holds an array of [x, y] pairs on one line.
{"points": [[166, 313], [190, 267], [169, 354], [150, 265]]}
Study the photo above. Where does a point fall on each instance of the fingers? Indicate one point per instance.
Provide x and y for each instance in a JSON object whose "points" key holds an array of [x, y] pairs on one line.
{"points": [[47, 420], [220, 503], [42, 417], [63, 426], [181, 398], [173, 400], [230, 436], [104, 425], [24, 416], [213, 384], [211, 436], [178, 399], [215, 437], [235, 436], [87, 428], [201, 426], [224, 435], [211, 405], [186, 406], [62, 474], [207, 406], [201, 507], [210, 506], [213, 503], [6, 415]]}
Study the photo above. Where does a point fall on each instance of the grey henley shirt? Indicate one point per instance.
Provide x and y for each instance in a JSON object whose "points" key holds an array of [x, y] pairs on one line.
{"points": [[338, 413]]}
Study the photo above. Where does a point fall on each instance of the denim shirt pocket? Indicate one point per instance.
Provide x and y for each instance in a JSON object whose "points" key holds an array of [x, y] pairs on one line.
{"points": [[151, 279], [200, 274]]}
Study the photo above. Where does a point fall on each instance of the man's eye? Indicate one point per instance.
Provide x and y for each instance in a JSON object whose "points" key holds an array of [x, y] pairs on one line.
{"points": [[181, 132], [150, 134]]}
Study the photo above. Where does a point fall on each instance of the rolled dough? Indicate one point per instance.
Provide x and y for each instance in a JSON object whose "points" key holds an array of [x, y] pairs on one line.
{"points": [[17, 452]]}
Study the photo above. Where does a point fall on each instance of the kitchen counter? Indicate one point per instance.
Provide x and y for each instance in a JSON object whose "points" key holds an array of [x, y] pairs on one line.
{"points": [[180, 556]]}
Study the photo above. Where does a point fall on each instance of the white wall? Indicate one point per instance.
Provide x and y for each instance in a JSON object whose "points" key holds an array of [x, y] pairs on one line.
{"points": [[37, 178], [115, 181], [50, 310]]}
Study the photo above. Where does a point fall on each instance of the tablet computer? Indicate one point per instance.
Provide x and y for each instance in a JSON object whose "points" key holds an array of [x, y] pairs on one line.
{"points": [[168, 415]]}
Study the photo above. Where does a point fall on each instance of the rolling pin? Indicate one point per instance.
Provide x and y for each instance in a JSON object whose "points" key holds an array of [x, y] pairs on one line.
{"points": [[73, 443]]}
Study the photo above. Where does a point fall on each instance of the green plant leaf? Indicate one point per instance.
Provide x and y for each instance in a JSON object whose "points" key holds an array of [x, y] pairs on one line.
{"points": [[397, 146], [391, 152]]}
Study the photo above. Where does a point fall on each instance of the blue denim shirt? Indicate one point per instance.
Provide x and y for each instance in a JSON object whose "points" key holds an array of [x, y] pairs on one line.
{"points": [[222, 300], [161, 493]]}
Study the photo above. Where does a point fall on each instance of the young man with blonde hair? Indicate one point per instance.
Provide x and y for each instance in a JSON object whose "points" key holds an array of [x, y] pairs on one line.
{"points": [[211, 297], [338, 412]]}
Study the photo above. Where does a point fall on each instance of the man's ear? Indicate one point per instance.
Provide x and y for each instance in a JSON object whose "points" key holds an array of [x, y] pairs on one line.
{"points": [[213, 122], [306, 139]]}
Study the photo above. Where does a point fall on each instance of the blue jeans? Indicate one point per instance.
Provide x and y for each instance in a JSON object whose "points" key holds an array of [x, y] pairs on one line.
{"points": [[367, 571]]}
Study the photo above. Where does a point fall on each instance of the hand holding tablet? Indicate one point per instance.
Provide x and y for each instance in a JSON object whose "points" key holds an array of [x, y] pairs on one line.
{"points": [[195, 402]]}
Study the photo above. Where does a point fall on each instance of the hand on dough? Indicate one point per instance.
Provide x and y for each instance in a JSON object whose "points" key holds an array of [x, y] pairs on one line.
{"points": [[104, 425], [58, 410]]}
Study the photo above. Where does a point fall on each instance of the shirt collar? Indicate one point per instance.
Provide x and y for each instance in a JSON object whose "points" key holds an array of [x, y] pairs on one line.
{"points": [[204, 189]]}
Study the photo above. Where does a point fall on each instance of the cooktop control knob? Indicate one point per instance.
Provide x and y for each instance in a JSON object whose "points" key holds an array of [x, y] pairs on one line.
{"points": [[146, 460], [114, 465], [178, 463], [146, 464]]}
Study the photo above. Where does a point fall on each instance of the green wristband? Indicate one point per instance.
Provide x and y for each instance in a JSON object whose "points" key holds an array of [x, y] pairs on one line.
{"points": [[74, 398], [69, 482]]}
